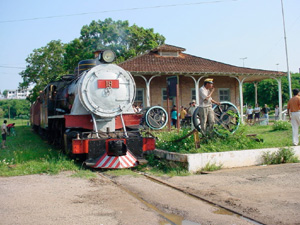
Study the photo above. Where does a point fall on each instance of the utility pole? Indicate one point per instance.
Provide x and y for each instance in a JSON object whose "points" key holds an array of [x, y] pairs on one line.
{"points": [[286, 53], [243, 61]]}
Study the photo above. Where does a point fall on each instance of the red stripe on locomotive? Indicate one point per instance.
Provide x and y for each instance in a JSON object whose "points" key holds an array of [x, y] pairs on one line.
{"points": [[115, 162], [85, 121]]}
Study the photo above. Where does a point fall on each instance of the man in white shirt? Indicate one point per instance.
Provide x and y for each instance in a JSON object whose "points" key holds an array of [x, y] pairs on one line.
{"points": [[206, 113], [249, 113], [256, 113]]}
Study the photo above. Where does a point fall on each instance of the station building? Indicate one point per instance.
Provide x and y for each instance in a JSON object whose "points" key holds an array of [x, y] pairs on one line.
{"points": [[152, 69], [18, 93]]}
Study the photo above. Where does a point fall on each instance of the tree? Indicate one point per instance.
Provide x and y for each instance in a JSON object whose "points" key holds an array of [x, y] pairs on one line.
{"points": [[49, 63], [5, 92], [75, 52], [43, 66], [126, 41], [1, 113], [14, 107], [267, 91]]}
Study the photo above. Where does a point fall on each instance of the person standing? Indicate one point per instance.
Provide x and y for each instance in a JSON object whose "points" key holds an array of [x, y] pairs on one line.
{"points": [[4, 133], [265, 110], [256, 113], [174, 116], [276, 112], [249, 114], [190, 113], [182, 115], [192, 108], [293, 109], [206, 113]]}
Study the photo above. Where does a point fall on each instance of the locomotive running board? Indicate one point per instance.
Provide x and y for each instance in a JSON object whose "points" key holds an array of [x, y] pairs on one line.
{"points": [[116, 162]]}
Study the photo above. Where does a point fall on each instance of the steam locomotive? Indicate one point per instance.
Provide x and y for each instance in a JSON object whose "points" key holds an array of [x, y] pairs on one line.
{"points": [[90, 115]]}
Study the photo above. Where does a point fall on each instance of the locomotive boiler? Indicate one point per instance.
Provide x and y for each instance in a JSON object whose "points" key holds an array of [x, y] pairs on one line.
{"points": [[90, 115]]}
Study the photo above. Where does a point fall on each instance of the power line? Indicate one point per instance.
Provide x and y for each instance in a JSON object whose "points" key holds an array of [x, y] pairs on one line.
{"points": [[117, 10], [12, 67]]}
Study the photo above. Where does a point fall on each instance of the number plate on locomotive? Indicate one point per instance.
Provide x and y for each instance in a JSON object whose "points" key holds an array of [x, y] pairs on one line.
{"points": [[108, 83]]}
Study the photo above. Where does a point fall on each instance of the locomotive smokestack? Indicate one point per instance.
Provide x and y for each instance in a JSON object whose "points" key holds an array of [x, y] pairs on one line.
{"points": [[97, 53]]}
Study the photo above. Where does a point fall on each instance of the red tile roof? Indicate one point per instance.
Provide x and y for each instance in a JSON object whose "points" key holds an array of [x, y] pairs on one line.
{"points": [[153, 63], [168, 48]]}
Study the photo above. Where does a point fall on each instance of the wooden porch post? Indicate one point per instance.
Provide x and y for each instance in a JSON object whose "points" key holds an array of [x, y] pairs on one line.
{"points": [[255, 91]]}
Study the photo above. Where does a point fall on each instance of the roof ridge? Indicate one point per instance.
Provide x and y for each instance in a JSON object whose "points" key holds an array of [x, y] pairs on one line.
{"points": [[167, 46], [227, 64]]}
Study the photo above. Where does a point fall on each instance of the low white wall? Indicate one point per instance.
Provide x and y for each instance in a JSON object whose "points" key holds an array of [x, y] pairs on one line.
{"points": [[231, 159]]}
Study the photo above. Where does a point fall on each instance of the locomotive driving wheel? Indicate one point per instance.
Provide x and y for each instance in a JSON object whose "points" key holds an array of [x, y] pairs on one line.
{"points": [[196, 120], [227, 117], [155, 117]]}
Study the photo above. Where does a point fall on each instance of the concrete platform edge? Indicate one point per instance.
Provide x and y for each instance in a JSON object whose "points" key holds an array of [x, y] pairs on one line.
{"points": [[230, 159]]}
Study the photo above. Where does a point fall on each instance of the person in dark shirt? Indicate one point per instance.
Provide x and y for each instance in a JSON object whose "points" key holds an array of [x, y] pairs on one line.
{"points": [[265, 111], [4, 133]]}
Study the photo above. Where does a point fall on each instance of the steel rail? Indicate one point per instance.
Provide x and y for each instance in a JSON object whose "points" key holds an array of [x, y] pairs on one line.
{"points": [[249, 219], [162, 214]]}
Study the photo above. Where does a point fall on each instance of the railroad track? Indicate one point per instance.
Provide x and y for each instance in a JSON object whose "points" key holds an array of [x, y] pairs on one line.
{"points": [[169, 219]]}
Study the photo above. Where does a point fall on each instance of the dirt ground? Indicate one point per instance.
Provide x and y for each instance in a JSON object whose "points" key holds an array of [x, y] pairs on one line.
{"points": [[269, 194]]}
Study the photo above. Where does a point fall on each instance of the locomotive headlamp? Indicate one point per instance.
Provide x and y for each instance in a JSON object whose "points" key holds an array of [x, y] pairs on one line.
{"points": [[108, 56]]}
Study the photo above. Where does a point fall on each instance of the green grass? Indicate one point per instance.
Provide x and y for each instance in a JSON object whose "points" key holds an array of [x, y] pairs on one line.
{"points": [[160, 167], [121, 172], [27, 153], [18, 122], [272, 138], [211, 167], [265, 137], [86, 174]]}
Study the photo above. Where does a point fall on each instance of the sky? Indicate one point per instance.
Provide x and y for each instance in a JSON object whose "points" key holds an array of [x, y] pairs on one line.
{"points": [[245, 33]]}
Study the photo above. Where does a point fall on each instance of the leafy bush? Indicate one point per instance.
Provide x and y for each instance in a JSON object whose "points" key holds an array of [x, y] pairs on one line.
{"points": [[175, 142], [281, 125], [168, 141], [284, 155]]}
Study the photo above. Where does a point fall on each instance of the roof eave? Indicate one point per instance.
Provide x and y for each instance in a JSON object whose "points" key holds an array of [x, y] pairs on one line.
{"points": [[207, 73]]}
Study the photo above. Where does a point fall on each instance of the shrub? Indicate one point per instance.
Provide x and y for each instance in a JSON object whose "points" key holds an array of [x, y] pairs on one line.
{"points": [[169, 141], [281, 125], [284, 155]]}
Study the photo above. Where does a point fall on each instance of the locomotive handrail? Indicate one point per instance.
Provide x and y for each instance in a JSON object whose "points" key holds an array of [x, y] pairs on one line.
{"points": [[123, 124], [95, 125]]}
